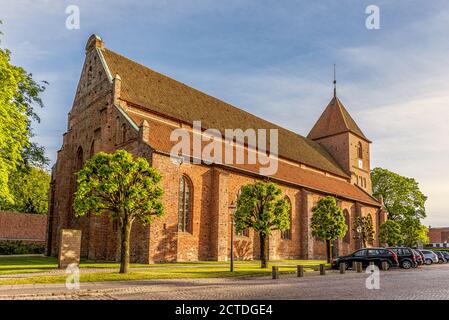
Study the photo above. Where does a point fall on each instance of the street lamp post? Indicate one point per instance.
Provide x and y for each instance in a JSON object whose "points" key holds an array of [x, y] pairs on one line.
{"points": [[232, 208]]}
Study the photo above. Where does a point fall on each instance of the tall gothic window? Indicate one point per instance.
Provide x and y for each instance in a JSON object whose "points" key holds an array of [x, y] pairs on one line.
{"points": [[360, 150], [287, 234], [123, 133], [92, 149], [185, 205], [79, 159], [347, 237]]}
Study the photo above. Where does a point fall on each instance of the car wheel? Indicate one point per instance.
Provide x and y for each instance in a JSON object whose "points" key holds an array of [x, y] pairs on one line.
{"points": [[429, 262], [406, 264], [415, 265]]}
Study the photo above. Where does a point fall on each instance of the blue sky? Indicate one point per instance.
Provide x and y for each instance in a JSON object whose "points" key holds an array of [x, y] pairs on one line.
{"points": [[272, 58]]}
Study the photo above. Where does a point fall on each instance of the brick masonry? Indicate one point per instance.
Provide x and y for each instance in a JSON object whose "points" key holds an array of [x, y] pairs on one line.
{"points": [[98, 122], [23, 226]]}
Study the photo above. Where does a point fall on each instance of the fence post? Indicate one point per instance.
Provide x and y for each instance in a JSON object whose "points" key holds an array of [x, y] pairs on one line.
{"points": [[342, 267], [300, 271], [322, 270], [275, 272]]}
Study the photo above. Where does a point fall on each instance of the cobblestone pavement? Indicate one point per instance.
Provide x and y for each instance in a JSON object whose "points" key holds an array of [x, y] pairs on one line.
{"points": [[427, 282]]}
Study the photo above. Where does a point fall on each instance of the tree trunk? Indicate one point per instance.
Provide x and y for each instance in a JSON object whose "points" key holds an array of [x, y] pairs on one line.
{"points": [[328, 250], [118, 249], [263, 251], [124, 252]]}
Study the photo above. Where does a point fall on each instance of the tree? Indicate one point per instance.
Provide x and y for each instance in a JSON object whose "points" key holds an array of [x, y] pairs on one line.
{"points": [[19, 93], [414, 232], [401, 195], [262, 207], [328, 222], [29, 189], [126, 189], [390, 233], [363, 230]]}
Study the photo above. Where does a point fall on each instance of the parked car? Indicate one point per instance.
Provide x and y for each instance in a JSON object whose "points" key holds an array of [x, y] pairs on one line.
{"points": [[418, 256], [367, 255], [429, 256], [406, 257], [445, 254], [441, 258]]}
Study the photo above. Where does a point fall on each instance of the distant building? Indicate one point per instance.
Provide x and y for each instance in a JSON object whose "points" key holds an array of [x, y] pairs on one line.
{"points": [[439, 237]]}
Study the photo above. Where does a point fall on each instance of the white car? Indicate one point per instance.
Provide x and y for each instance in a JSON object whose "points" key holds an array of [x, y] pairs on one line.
{"points": [[429, 256]]}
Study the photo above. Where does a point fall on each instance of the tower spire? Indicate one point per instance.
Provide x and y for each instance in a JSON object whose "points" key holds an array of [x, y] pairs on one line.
{"points": [[335, 84]]}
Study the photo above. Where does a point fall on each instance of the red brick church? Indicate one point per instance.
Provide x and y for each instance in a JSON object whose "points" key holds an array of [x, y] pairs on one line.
{"points": [[121, 104]]}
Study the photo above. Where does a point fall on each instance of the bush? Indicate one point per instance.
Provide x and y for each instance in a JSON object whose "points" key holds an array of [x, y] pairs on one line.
{"points": [[19, 247], [437, 249]]}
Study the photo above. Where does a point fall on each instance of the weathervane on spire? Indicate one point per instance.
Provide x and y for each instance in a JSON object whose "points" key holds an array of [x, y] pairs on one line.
{"points": [[335, 84]]}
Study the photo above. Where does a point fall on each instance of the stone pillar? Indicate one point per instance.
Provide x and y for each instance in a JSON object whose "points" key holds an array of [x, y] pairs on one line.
{"points": [[306, 232], [69, 247], [220, 228]]}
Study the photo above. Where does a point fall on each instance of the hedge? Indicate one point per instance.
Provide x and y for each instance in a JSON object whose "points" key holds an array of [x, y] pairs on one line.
{"points": [[8, 247]]}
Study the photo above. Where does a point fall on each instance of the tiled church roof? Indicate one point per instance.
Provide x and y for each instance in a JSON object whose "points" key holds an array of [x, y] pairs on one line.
{"points": [[334, 120], [161, 94]]}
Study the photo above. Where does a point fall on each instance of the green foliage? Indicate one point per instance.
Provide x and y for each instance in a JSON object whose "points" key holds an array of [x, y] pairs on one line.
{"points": [[328, 220], [19, 247], [390, 233], [413, 232], [401, 195], [19, 93], [262, 207], [126, 189], [29, 189], [363, 230]]}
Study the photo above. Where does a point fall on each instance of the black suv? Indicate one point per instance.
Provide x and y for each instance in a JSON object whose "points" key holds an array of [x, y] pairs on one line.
{"points": [[367, 255], [445, 255], [406, 257], [441, 257]]}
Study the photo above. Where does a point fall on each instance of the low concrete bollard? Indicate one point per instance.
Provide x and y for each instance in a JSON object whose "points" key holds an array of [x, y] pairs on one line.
{"points": [[322, 270], [371, 263], [359, 267], [354, 265], [342, 268], [385, 266], [300, 271], [275, 272]]}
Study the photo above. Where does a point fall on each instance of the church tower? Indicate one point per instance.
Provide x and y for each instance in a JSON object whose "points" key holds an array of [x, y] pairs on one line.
{"points": [[339, 134]]}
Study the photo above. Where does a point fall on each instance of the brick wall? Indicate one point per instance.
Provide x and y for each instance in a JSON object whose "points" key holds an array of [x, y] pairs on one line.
{"points": [[23, 226]]}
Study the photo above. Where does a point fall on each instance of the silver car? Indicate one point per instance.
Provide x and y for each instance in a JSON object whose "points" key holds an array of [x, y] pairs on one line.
{"points": [[429, 256]]}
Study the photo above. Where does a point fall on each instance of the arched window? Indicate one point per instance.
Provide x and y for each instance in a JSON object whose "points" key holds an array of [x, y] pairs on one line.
{"points": [[371, 241], [185, 205], [79, 159], [347, 237], [360, 150], [123, 132], [92, 149], [244, 232], [287, 234]]}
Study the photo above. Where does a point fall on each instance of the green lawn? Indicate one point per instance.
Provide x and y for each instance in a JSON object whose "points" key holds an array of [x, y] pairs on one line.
{"points": [[203, 269]]}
